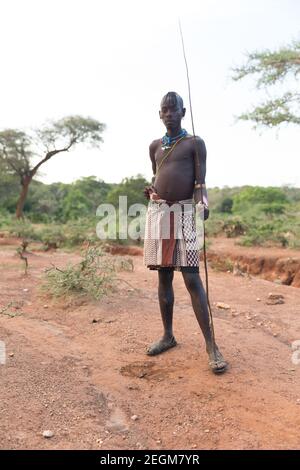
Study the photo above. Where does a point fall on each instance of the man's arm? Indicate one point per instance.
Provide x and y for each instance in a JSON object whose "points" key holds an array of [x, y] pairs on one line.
{"points": [[152, 150], [200, 174]]}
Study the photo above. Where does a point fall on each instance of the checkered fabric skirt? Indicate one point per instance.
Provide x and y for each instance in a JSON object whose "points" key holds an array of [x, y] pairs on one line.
{"points": [[170, 235]]}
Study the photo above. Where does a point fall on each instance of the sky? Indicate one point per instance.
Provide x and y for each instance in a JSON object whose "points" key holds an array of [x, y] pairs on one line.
{"points": [[114, 60]]}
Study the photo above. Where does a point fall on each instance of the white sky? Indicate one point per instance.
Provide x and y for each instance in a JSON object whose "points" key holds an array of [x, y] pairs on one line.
{"points": [[114, 60]]}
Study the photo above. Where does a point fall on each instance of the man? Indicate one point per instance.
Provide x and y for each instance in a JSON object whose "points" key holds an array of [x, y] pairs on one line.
{"points": [[179, 168]]}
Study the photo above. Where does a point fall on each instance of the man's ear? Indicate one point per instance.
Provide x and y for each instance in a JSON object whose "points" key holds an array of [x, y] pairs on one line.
{"points": [[183, 112], [159, 114]]}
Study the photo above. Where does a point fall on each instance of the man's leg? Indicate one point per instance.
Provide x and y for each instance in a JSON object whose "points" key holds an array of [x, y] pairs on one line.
{"points": [[166, 303], [196, 290]]}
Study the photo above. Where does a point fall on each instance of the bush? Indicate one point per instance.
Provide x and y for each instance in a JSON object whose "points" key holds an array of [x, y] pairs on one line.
{"points": [[94, 277]]}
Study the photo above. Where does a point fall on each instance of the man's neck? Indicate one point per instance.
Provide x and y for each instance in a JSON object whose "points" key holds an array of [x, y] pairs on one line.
{"points": [[174, 131]]}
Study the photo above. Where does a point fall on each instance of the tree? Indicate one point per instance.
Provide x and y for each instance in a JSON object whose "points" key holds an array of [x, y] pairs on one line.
{"points": [[273, 68], [269, 200], [132, 187], [19, 149]]}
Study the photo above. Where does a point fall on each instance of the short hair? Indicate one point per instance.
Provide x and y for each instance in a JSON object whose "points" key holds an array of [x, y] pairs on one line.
{"points": [[173, 99]]}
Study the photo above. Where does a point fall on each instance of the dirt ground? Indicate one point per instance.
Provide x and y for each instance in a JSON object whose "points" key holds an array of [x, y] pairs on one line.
{"points": [[80, 370]]}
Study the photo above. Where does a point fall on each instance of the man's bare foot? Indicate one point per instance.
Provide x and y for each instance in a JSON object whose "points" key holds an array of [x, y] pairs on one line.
{"points": [[161, 346], [216, 362]]}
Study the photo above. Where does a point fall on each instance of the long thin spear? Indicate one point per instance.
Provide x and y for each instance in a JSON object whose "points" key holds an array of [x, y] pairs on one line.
{"points": [[201, 190]]}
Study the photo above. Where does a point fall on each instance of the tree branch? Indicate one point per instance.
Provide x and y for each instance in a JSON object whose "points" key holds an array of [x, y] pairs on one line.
{"points": [[50, 155]]}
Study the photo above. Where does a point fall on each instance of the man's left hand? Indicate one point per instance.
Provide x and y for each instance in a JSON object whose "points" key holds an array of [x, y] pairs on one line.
{"points": [[203, 210], [206, 213]]}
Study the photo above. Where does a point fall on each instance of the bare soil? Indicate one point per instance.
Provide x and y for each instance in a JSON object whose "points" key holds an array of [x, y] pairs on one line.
{"points": [[78, 368]]}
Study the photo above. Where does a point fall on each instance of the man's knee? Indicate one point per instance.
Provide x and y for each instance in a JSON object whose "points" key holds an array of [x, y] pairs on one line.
{"points": [[165, 278], [192, 281], [166, 298]]}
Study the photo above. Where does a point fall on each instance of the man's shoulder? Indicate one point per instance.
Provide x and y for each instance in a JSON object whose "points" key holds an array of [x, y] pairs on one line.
{"points": [[196, 138], [154, 144], [198, 142]]}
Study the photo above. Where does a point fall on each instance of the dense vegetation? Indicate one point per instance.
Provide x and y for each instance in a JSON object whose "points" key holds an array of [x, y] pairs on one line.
{"points": [[62, 214]]}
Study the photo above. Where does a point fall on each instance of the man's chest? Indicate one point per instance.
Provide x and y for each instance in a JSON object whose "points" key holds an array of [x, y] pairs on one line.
{"points": [[179, 155]]}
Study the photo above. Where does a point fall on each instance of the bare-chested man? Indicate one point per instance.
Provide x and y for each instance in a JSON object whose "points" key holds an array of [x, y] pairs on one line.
{"points": [[179, 177]]}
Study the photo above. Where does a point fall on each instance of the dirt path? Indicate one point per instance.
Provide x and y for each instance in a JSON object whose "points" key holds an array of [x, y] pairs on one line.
{"points": [[85, 380]]}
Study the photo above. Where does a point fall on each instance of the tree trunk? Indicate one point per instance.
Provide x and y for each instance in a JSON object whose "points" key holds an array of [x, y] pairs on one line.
{"points": [[22, 198]]}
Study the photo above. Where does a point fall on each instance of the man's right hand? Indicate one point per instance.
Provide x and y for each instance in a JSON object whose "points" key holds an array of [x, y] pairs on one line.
{"points": [[147, 191]]}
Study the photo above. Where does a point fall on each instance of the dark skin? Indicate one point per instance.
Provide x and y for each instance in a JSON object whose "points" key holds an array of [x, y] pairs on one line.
{"points": [[175, 181]]}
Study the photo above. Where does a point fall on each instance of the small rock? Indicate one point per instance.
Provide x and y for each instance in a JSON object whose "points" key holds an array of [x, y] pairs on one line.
{"points": [[206, 430], [275, 296], [275, 334], [47, 434], [235, 314], [298, 401], [95, 320], [11, 354], [222, 305], [258, 299], [25, 290], [275, 301], [134, 417]]}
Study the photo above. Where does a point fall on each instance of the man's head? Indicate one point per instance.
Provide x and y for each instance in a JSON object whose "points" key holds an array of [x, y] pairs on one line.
{"points": [[171, 110]]}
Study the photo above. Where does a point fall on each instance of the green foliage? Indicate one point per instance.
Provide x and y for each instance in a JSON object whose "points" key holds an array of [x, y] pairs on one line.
{"points": [[18, 148], [71, 130], [226, 205], [23, 229], [274, 112], [94, 277], [256, 199], [132, 188], [52, 236], [260, 216], [271, 68], [64, 215], [9, 188], [76, 205]]}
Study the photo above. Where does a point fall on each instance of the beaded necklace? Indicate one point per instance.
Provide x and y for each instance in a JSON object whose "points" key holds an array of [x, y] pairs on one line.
{"points": [[167, 141], [168, 153]]}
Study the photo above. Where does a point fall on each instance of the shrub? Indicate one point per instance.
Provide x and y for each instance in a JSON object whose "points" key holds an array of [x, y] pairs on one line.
{"points": [[94, 276]]}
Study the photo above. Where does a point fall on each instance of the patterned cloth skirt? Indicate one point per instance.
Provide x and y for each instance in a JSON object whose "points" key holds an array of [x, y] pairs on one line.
{"points": [[171, 239]]}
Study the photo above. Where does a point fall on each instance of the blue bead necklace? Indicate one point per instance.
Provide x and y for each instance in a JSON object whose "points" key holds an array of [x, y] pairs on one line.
{"points": [[167, 141]]}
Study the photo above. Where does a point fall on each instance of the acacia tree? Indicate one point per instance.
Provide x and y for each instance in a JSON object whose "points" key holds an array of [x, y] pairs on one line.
{"points": [[272, 69], [19, 149]]}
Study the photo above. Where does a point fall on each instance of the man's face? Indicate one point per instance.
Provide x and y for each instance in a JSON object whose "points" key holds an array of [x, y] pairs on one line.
{"points": [[171, 113]]}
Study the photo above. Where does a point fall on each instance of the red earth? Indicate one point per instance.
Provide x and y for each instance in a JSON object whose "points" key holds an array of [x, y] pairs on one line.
{"points": [[78, 368]]}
